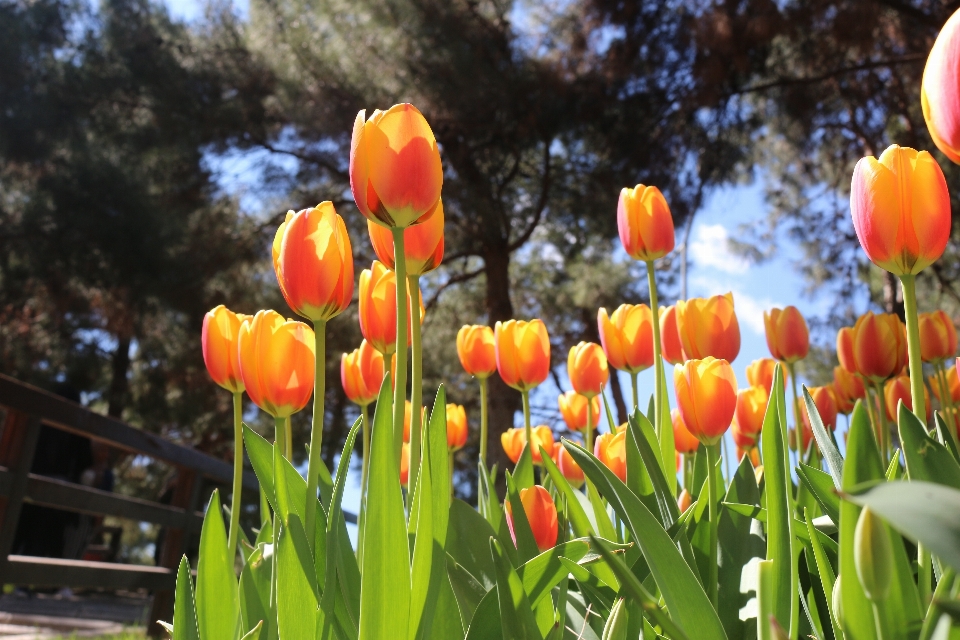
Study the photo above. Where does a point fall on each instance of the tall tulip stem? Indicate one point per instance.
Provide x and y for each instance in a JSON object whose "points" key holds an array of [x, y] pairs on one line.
{"points": [[883, 436], [365, 464], [588, 436], [316, 429], [237, 474], [633, 387], [416, 382], [713, 520], [280, 435], [483, 422], [400, 382], [909, 284], [527, 429], [658, 388]]}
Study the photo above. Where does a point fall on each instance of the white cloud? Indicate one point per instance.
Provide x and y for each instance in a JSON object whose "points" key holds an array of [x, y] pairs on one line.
{"points": [[711, 248]]}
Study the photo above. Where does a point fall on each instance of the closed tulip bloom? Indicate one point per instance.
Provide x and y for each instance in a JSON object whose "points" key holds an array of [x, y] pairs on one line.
{"points": [[587, 368], [953, 385], [378, 308], [846, 337], [753, 454], [901, 209], [361, 374], [706, 396], [938, 336], [627, 337], [277, 363], [708, 327], [422, 243], [744, 441], [456, 426], [670, 345], [787, 335], [940, 90], [541, 514], [514, 439], [523, 353], [611, 450], [315, 263], [395, 170], [275, 249], [567, 465], [408, 418], [760, 373], [683, 441], [898, 389], [826, 404], [404, 463], [848, 388], [751, 408], [645, 223], [219, 338], [573, 408], [477, 350], [880, 345], [684, 501]]}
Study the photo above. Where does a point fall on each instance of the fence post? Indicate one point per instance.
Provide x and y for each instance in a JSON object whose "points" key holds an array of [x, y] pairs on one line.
{"points": [[18, 443]]}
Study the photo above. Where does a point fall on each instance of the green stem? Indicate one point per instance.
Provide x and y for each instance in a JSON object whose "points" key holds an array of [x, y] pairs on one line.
{"points": [[797, 420], [288, 438], [365, 464], [633, 387], [934, 610], [712, 507], [416, 385], [588, 436], [237, 474], [924, 574], [658, 388], [483, 422], [527, 429], [316, 429], [280, 435], [882, 419], [909, 284], [868, 403], [400, 384]]}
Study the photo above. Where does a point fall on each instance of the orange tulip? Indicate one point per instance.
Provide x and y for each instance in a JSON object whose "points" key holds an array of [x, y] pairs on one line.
{"points": [[513, 441], [378, 308], [939, 94], [787, 335], [670, 344], [573, 408], [953, 385], [880, 346], [753, 453], [361, 374], [567, 465], [898, 389], [611, 450], [708, 327], [523, 353], [541, 514], [477, 350], [404, 463], [456, 426], [627, 337], [314, 262], [221, 331], [645, 223], [684, 501], [683, 441], [408, 418], [938, 336], [743, 440], [706, 396], [422, 244], [587, 368], [826, 404], [846, 337], [395, 170], [751, 408], [760, 373], [848, 388], [277, 363], [901, 209]]}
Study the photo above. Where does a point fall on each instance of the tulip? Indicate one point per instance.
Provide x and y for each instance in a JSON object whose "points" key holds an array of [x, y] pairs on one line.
{"points": [[846, 338], [880, 346], [523, 353], [573, 408], [750, 411], [760, 373], [422, 243], [627, 339], [670, 336], [567, 465], [741, 439], [611, 450], [313, 261], [645, 223], [456, 427], [951, 383], [361, 374], [221, 330], [378, 308], [938, 336], [898, 389], [709, 327], [939, 93], [541, 514], [683, 441], [587, 368], [848, 388], [872, 556], [513, 441], [787, 335], [826, 404], [395, 170], [684, 501], [477, 350]]}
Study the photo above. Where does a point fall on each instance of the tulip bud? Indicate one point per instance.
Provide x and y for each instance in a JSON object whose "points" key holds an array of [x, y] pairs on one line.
{"points": [[587, 369], [751, 409], [826, 406], [846, 338], [513, 441], [848, 388], [456, 426], [422, 243], [938, 336], [477, 350], [645, 223], [670, 345], [683, 441], [361, 374], [901, 209], [627, 337], [898, 389], [939, 93], [953, 386], [880, 345], [837, 597], [567, 465], [684, 501], [541, 513], [611, 450], [523, 353], [706, 393], [742, 439], [708, 327], [378, 308], [616, 625], [787, 335], [219, 339], [872, 556], [760, 373], [277, 363], [573, 408]]}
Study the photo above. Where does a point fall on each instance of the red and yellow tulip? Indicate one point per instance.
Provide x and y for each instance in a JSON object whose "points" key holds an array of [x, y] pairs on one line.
{"points": [[477, 350], [671, 346], [880, 346], [627, 337], [220, 337], [587, 369], [611, 450], [760, 373], [456, 426], [573, 408], [787, 335], [378, 308], [645, 223], [523, 353], [541, 514], [708, 327], [513, 441], [277, 363], [938, 336], [361, 374], [706, 392], [940, 90], [422, 244]]}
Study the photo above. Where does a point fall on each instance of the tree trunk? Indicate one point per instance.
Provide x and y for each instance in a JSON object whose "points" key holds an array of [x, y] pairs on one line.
{"points": [[119, 385], [616, 390]]}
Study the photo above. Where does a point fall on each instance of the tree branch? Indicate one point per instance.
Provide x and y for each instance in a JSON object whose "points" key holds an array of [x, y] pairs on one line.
{"points": [[452, 280], [541, 204]]}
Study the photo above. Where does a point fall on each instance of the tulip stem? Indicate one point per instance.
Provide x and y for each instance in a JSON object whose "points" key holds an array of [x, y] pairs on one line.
{"points": [[280, 435], [884, 433], [288, 438], [868, 403], [633, 387], [588, 436], [527, 429], [400, 382], [658, 387], [483, 422], [316, 429], [924, 574], [416, 382], [365, 464], [908, 282], [712, 511], [237, 474]]}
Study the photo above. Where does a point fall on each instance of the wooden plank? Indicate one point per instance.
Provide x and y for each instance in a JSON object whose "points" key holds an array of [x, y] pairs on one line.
{"points": [[186, 495], [69, 416], [53, 572], [23, 444]]}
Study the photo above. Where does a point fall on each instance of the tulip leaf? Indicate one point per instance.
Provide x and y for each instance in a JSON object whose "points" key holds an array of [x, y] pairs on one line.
{"points": [[291, 488], [217, 600], [523, 471], [296, 583], [468, 543], [640, 429], [685, 598], [485, 624], [827, 575], [576, 514], [541, 574], [255, 579], [946, 437], [767, 599], [466, 587], [827, 446], [638, 480], [668, 450], [385, 574], [253, 634], [184, 608], [260, 453], [927, 459], [517, 620], [821, 487]]}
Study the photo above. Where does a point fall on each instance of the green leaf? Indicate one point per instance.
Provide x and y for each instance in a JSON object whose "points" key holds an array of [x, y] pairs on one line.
{"points": [[576, 514], [541, 574], [290, 487], [218, 604], [385, 575], [767, 598], [296, 583], [821, 487], [253, 634], [827, 447], [523, 472], [944, 432], [468, 590], [638, 480], [667, 447], [827, 576], [526, 543], [927, 459], [260, 453], [255, 585], [421, 600], [485, 624], [646, 439], [517, 621], [468, 543], [184, 609]]}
